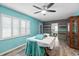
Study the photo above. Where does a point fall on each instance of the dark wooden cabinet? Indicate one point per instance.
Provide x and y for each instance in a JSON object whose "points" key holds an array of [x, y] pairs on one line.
{"points": [[74, 32]]}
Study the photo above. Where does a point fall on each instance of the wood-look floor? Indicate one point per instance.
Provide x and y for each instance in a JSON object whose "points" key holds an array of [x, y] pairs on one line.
{"points": [[62, 50]]}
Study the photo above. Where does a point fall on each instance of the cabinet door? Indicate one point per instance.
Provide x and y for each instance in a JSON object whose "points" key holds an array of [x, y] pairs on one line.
{"points": [[78, 31], [71, 42], [74, 32]]}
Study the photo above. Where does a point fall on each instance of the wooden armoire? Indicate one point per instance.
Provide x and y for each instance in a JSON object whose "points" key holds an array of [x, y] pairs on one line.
{"points": [[74, 32]]}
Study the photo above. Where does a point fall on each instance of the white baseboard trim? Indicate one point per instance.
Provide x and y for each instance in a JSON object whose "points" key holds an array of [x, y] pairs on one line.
{"points": [[12, 49]]}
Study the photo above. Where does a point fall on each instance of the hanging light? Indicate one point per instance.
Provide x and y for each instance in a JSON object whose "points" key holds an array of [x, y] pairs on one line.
{"points": [[43, 12]]}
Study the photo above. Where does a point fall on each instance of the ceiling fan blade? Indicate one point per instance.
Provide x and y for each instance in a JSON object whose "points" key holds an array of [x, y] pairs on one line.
{"points": [[49, 5], [37, 12], [37, 7], [51, 10]]}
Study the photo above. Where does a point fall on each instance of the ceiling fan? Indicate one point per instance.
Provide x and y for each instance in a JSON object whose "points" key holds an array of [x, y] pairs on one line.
{"points": [[44, 9]]}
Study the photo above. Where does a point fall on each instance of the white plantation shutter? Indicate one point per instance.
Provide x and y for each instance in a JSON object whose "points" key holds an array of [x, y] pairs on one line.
{"points": [[6, 26], [11, 27], [15, 27], [27, 27], [23, 26]]}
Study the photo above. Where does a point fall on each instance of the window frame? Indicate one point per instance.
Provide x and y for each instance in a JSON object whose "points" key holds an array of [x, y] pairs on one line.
{"points": [[21, 27], [18, 27], [28, 33], [12, 17], [2, 26]]}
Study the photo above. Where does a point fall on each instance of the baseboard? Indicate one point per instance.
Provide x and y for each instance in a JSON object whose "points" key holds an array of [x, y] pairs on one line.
{"points": [[1, 54]]}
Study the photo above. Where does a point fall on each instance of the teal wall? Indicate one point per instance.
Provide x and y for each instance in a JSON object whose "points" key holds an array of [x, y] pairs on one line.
{"points": [[34, 28], [76, 13]]}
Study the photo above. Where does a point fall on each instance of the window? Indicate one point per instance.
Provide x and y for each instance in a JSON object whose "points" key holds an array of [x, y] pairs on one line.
{"points": [[23, 27], [68, 27], [54, 28], [15, 27], [27, 27], [6, 26]]}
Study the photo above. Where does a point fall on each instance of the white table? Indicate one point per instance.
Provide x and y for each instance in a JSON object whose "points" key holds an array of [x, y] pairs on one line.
{"points": [[49, 42]]}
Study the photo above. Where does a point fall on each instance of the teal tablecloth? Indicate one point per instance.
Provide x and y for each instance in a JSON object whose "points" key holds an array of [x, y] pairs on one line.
{"points": [[33, 49]]}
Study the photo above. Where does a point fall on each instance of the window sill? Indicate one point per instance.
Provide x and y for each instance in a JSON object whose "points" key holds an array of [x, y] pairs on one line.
{"points": [[9, 38]]}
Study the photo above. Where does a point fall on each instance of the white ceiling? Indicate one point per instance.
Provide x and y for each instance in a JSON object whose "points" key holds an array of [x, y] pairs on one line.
{"points": [[63, 10]]}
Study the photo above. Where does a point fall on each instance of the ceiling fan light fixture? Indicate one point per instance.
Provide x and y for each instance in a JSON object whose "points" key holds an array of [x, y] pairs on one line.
{"points": [[43, 11]]}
